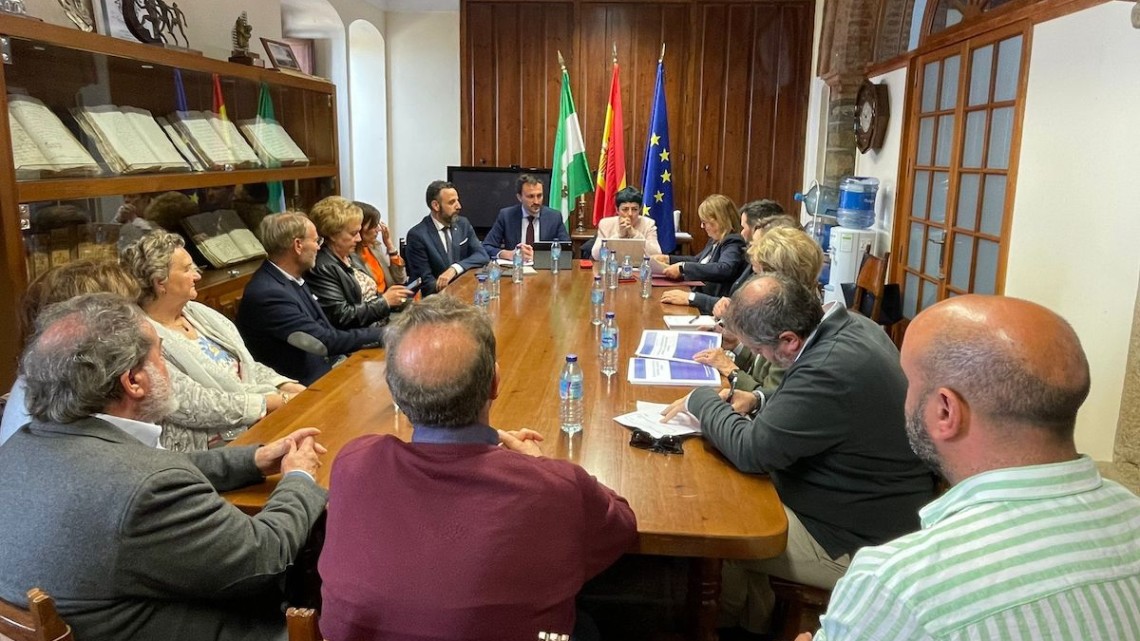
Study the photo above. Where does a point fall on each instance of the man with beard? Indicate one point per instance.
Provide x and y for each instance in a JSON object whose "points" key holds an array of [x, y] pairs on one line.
{"points": [[522, 224], [1029, 542], [134, 542], [831, 437], [443, 245]]}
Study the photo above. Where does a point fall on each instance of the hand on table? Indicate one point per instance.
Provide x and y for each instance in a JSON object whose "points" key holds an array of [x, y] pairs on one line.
{"points": [[672, 272], [528, 253], [742, 402], [720, 308], [716, 358], [445, 279], [291, 389], [524, 441], [297, 451], [675, 297]]}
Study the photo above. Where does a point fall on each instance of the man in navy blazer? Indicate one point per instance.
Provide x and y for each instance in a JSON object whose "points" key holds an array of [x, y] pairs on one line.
{"points": [[280, 320], [510, 229], [443, 245]]}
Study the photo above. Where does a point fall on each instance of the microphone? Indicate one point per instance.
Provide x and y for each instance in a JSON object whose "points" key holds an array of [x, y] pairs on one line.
{"points": [[307, 343]]}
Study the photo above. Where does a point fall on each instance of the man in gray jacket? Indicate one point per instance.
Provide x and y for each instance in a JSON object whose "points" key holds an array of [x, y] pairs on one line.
{"points": [[134, 542], [831, 437]]}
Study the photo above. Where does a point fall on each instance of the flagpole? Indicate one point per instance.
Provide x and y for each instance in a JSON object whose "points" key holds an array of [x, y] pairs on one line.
{"points": [[662, 58]]}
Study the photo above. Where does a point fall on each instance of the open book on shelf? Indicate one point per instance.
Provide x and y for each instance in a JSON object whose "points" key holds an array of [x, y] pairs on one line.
{"points": [[222, 237], [129, 139], [42, 145], [272, 143], [179, 143], [215, 140]]}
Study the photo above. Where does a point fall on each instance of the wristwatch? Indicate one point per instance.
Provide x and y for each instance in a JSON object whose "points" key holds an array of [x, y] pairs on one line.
{"points": [[759, 399]]}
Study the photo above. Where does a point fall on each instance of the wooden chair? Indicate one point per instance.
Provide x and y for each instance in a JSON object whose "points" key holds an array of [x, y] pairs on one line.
{"points": [[872, 279], [40, 622], [302, 624], [798, 608]]}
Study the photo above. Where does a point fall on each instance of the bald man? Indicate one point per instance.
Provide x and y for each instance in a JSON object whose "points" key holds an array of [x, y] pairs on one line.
{"points": [[451, 536], [1030, 542]]}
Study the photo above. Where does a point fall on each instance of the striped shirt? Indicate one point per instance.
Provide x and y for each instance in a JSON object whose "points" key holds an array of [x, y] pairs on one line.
{"points": [[1046, 552]]}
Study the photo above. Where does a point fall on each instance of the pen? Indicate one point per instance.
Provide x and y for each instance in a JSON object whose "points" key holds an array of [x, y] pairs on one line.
{"points": [[694, 319]]}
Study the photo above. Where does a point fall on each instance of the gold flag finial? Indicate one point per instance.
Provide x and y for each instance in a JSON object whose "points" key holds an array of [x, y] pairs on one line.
{"points": [[662, 58], [615, 52], [561, 61]]}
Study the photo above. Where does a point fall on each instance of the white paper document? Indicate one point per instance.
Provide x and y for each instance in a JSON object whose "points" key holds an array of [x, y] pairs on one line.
{"points": [[648, 417], [675, 345], [703, 321], [651, 371]]}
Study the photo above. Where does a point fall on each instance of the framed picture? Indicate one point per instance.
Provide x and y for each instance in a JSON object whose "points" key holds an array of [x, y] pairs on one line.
{"points": [[281, 55], [109, 20]]}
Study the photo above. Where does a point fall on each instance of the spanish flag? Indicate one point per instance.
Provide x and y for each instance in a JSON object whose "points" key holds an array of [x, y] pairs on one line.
{"points": [[611, 165]]}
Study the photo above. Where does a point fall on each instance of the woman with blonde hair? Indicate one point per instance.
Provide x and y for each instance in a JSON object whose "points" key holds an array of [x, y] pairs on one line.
{"points": [[719, 263], [221, 390], [782, 250], [345, 288]]}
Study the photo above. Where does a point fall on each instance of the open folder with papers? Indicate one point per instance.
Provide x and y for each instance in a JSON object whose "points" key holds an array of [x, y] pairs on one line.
{"points": [[675, 345]]}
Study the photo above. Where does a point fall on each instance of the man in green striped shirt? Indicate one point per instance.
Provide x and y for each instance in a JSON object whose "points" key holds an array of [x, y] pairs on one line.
{"points": [[1030, 542]]}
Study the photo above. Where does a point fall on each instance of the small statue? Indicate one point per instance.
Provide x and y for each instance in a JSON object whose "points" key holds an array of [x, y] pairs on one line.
{"points": [[241, 34], [179, 21], [79, 14]]}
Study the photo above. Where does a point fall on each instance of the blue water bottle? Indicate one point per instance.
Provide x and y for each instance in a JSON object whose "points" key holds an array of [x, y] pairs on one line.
{"points": [[597, 300], [555, 254]]}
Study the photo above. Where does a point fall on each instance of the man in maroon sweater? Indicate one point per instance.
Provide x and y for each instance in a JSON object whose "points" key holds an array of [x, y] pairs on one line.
{"points": [[466, 533]]}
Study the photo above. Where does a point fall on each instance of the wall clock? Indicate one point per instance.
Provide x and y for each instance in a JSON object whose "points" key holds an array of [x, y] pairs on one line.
{"points": [[872, 110]]}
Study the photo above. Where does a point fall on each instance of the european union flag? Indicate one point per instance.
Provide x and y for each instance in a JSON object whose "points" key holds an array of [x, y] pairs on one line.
{"points": [[657, 179]]}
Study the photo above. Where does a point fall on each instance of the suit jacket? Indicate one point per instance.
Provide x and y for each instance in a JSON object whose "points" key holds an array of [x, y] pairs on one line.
{"points": [[427, 258], [506, 233], [832, 437], [705, 303], [273, 307], [135, 543], [461, 542], [339, 294], [608, 228], [721, 269]]}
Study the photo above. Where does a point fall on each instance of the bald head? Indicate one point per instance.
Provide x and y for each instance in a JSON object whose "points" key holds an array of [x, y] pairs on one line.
{"points": [[1014, 362], [441, 362]]}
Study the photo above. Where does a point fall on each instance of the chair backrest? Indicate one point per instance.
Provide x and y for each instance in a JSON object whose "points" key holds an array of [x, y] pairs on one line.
{"points": [[872, 278], [302, 624], [40, 622]]}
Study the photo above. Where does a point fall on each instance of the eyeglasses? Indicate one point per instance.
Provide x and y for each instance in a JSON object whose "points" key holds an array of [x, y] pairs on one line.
{"points": [[643, 440]]}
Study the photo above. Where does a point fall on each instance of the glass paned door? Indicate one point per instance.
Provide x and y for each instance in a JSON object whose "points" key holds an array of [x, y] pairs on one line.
{"points": [[961, 158]]}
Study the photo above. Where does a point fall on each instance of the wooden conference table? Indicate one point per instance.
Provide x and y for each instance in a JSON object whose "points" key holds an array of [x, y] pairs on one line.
{"points": [[694, 505]]}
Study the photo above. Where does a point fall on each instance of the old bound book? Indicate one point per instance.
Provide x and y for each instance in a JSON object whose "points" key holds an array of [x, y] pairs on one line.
{"points": [[222, 237], [42, 146], [272, 143], [129, 139], [215, 140]]}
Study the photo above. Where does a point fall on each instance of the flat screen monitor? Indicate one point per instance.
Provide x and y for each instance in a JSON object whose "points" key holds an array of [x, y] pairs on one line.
{"points": [[483, 191]]}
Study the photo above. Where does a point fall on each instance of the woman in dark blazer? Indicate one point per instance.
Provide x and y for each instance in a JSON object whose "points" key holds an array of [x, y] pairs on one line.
{"points": [[344, 286], [722, 259]]}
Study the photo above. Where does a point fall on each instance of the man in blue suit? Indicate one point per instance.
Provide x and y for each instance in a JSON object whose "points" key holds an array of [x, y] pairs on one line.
{"points": [[280, 320], [524, 223], [443, 245]]}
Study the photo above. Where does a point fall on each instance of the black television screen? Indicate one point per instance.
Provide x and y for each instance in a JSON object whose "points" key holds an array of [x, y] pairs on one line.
{"points": [[483, 191]]}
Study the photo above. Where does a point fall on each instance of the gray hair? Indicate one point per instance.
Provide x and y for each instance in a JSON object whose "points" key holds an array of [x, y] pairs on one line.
{"points": [[788, 307], [81, 347], [999, 381], [447, 391], [148, 261], [278, 231]]}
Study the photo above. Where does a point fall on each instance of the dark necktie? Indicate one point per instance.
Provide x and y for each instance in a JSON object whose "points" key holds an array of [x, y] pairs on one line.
{"points": [[449, 246], [530, 230]]}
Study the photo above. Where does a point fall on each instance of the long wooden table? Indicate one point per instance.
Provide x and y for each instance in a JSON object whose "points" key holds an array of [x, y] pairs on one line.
{"points": [[695, 505]]}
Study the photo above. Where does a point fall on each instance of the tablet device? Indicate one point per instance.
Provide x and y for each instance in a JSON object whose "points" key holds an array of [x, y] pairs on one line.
{"points": [[542, 255]]}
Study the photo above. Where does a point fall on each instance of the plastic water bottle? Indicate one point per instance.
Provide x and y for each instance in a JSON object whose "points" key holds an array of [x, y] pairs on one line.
{"points": [[857, 202], [494, 275], [626, 269], [517, 262], [597, 300], [604, 257], [555, 254], [612, 271], [609, 345], [570, 396], [646, 276], [482, 293]]}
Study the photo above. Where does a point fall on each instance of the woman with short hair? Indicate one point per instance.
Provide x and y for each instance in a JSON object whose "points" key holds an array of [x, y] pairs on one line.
{"points": [[221, 390]]}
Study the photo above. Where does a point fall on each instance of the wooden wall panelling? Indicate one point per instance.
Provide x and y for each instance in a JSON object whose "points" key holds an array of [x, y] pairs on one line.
{"points": [[793, 83]]}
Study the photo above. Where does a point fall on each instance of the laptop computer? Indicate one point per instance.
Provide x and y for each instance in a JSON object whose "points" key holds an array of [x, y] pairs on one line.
{"points": [[632, 247], [542, 255]]}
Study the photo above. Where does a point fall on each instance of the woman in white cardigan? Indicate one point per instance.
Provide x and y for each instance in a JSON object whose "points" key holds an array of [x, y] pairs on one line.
{"points": [[221, 390]]}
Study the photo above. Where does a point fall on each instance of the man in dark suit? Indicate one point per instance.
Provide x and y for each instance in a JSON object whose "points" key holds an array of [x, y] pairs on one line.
{"points": [[279, 319], [443, 245], [524, 223], [831, 437], [135, 542]]}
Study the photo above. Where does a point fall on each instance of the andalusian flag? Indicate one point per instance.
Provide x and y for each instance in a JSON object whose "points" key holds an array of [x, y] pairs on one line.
{"points": [[571, 175], [265, 112], [611, 166], [658, 177]]}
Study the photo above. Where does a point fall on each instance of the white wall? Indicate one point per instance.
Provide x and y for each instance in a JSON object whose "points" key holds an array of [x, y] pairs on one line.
{"points": [[1076, 222], [368, 101], [884, 163], [423, 108]]}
